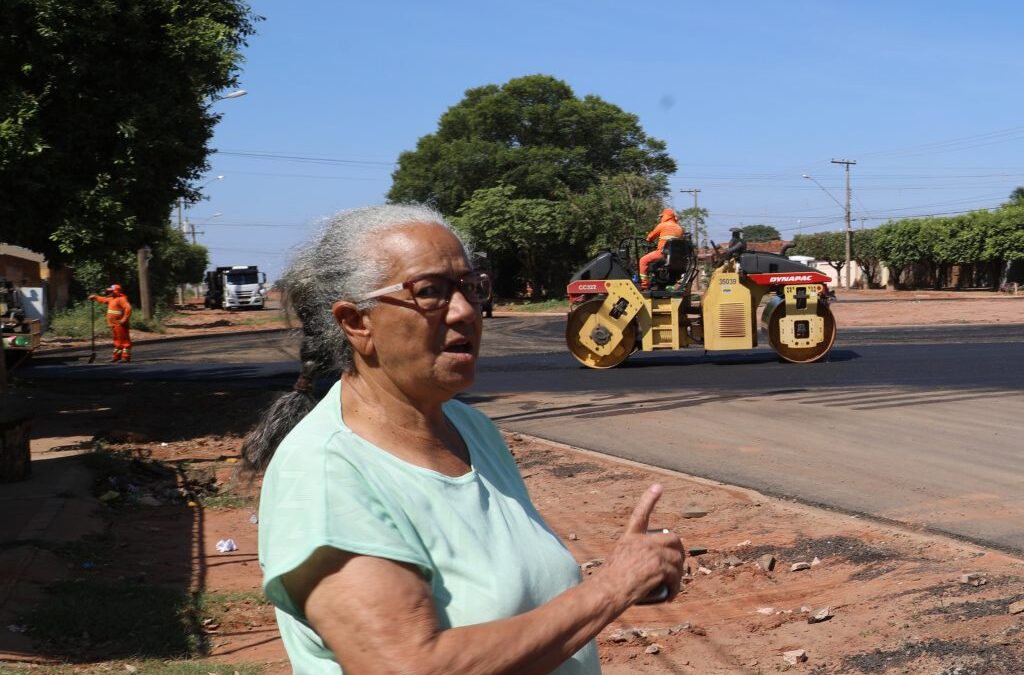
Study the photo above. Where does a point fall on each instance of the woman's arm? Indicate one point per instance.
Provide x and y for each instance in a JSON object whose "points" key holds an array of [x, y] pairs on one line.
{"points": [[378, 616]]}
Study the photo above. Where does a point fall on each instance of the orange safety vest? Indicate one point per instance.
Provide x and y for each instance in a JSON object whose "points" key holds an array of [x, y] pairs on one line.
{"points": [[668, 229], [118, 308]]}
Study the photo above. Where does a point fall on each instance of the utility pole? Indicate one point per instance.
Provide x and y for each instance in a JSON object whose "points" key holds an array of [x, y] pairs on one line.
{"points": [[696, 219], [849, 234], [702, 243]]}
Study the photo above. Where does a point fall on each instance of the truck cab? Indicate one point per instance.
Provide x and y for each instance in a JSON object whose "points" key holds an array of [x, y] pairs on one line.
{"points": [[235, 287]]}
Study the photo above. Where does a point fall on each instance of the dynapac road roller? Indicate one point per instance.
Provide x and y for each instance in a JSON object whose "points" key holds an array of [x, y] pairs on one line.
{"points": [[611, 317]]}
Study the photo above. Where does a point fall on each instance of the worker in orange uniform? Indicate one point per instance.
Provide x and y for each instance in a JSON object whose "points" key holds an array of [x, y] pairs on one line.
{"points": [[118, 312], [665, 231]]}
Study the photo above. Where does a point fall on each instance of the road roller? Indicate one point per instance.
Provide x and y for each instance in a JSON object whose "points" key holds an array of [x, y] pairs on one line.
{"points": [[611, 316]]}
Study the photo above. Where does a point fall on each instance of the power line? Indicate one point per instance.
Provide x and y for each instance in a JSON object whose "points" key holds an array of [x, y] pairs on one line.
{"points": [[361, 163]]}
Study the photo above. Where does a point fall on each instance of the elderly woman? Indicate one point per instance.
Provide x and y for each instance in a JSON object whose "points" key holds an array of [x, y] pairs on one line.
{"points": [[396, 534]]}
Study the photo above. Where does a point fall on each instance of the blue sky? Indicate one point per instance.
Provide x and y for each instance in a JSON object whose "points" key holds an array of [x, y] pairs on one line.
{"points": [[926, 96]]}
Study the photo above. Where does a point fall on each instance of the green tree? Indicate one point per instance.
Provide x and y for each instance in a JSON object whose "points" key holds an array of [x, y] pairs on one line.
{"points": [[1017, 196], [615, 208], [105, 115], [694, 221], [829, 247], [533, 133], [865, 252], [752, 233], [174, 261], [532, 231]]}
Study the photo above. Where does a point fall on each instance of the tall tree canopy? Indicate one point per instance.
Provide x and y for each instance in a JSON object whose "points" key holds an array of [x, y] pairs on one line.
{"points": [[566, 174], [533, 133], [761, 233], [105, 115]]}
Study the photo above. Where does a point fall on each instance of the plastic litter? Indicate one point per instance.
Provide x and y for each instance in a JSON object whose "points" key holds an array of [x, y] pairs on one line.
{"points": [[254, 519], [226, 546]]}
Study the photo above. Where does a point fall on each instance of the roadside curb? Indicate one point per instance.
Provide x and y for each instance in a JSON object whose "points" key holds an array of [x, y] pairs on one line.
{"points": [[166, 338]]}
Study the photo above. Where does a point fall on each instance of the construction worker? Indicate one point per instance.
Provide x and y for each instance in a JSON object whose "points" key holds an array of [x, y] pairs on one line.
{"points": [[666, 230], [118, 312]]}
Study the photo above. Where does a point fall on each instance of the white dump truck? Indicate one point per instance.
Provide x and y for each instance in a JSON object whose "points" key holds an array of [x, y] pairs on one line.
{"points": [[235, 287]]}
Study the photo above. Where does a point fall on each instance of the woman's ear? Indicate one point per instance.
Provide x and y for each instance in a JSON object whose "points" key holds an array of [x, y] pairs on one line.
{"points": [[355, 325]]}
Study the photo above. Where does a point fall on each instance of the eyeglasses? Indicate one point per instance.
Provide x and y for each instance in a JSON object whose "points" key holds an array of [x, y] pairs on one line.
{"points": [[432, 291]]}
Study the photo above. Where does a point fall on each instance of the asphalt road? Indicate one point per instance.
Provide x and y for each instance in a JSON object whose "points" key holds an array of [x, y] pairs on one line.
{"points": [[923, 426]]}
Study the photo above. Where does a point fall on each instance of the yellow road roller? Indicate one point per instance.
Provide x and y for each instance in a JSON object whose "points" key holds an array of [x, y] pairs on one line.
{"points": [[611, 316]]}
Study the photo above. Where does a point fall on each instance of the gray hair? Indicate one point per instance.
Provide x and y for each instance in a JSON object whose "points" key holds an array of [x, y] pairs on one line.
{"points": [[340, 263]]}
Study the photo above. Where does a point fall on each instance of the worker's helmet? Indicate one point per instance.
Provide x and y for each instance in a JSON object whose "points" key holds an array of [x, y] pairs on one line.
{"points": [[115, 289]]}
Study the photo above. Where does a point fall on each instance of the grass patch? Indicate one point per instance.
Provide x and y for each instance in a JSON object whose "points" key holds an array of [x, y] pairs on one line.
{"points": [[217, 605], [117, 620], [87, 619], [227, 500], [76, 321], [257, 318], [187, 667]]}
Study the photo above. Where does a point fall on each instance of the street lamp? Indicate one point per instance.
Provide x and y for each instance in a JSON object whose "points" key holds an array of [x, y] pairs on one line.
{"points": [[237, 93], [846, 208]]}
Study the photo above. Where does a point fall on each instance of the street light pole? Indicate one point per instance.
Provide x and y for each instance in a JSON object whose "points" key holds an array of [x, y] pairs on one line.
{"points": [[849, 233], [846, 208]]}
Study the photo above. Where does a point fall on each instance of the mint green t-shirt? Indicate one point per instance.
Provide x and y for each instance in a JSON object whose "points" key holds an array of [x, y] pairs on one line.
{"points": [[477, 539]]}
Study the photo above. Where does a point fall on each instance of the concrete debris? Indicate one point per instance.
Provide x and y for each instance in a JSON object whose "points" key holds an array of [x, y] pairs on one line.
{"points": [[823, 614], [591, 564], [796, 567], [766, 562], [767, 611], [573, 537], [1017, 607], [620, 636], [745, 542], [794, 656], [703, 570], [694, 512], [805, 609], [732, 561], [130, 668], [657, 632], [816, 561], [973, 579], [653, 649], [678, 628]]}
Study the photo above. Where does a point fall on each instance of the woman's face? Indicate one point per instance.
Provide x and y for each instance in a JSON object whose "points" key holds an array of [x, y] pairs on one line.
{"points": [[429, 355]]}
